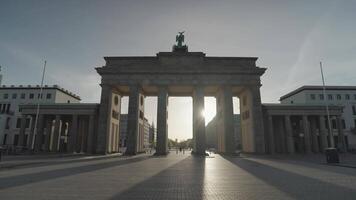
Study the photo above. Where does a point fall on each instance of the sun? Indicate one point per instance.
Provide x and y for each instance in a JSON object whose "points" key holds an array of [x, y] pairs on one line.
{"points": [[208, 115]]}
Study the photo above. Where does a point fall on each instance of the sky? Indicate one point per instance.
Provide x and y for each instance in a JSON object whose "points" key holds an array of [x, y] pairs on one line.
{"points": [[289, 37]]}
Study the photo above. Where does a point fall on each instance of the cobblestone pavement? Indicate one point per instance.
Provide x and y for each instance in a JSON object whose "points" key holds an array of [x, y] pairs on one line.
{"points": [[178, 176]]}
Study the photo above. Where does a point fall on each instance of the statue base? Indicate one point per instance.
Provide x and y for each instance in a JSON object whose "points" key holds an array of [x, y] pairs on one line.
{"points": [[182, 49]]}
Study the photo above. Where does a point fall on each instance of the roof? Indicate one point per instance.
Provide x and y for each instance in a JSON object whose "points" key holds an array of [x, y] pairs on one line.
{"points": [[315, 87], [56, 87]]}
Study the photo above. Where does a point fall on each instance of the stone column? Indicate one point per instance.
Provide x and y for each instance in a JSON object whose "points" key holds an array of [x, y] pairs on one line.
{"points": [[30, 141], [306, 129], [62, 135], [73, 134], [22, 141], [272, 149], [341, 137], [323, 133], [162, 128], [133, 121], [257, 119], [56, 133], [314, 137], [225, 108], [289, 133], [104, 119], [199, 121], [48, 135], [90, 148], [39, 136]]}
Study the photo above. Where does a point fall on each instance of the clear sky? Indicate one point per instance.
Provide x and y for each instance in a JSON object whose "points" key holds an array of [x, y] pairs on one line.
{"points": [[289, 37]]}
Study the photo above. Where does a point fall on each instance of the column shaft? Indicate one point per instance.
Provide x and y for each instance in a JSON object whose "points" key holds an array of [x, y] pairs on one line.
{"points": [[104, 119], [133, 121], [314, 137], [56, 133], [290, 139], [39, 135], [31, 135], [323, 133], [199, 121], [257, 120], [272, 149], [73, 134], [341, 137], [91, 139], [306, 129], [48, 135], [162, 128], [22, 141]]}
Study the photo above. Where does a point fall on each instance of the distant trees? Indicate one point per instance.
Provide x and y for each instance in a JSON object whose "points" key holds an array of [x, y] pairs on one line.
{"points": [[183, 144]]}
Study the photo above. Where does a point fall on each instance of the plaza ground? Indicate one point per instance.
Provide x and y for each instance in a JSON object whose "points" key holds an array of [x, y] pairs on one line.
{"points": [[176, 176]]}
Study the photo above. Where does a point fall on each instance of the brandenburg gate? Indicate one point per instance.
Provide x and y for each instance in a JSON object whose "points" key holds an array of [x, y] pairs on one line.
{"points": [[181, 73]]}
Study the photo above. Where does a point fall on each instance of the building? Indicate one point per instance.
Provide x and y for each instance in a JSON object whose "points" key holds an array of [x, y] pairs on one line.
{"points": [[152, 132], [13, 96], [299, 128], [211, 132], [344, 96], [145, 136], [265, 128]]}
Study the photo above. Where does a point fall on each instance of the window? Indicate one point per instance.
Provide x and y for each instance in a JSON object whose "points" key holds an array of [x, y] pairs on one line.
{"points": [[321, 96], [343, 124], [68, 101], [291, 102], [8, 108], [48, 96], [353, 110], [338, 96], [312, 96], [354, 96], [347, 96], [330, 96], [141, 102], [32, 96], [27, 123], [14, 96], [16, 140], [333, 122], [8, 123], [18, 123], [244, 100], [39, 96], [23, 96], [6, 96]]}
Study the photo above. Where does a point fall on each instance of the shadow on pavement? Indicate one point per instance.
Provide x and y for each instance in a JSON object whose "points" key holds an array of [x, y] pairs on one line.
{"points": [[53, 161], [20, 180], [295, 185], [183, 180]]}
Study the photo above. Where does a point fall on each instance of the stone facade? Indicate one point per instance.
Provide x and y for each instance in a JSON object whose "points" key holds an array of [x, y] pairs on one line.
{"points": [[185, 74], [12, 96], [300, 128], [62, 128]]}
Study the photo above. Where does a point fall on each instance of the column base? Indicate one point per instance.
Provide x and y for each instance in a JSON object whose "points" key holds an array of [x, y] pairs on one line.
{"points": [[130, 153], [161, 153], [199, 153], [229, 153]]}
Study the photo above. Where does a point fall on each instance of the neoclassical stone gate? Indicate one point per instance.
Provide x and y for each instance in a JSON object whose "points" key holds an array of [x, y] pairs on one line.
{"points": [[181, 73]]}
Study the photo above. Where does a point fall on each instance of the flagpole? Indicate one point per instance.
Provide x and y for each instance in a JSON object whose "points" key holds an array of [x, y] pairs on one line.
{"points": [[38, 106], [330, 131]]}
